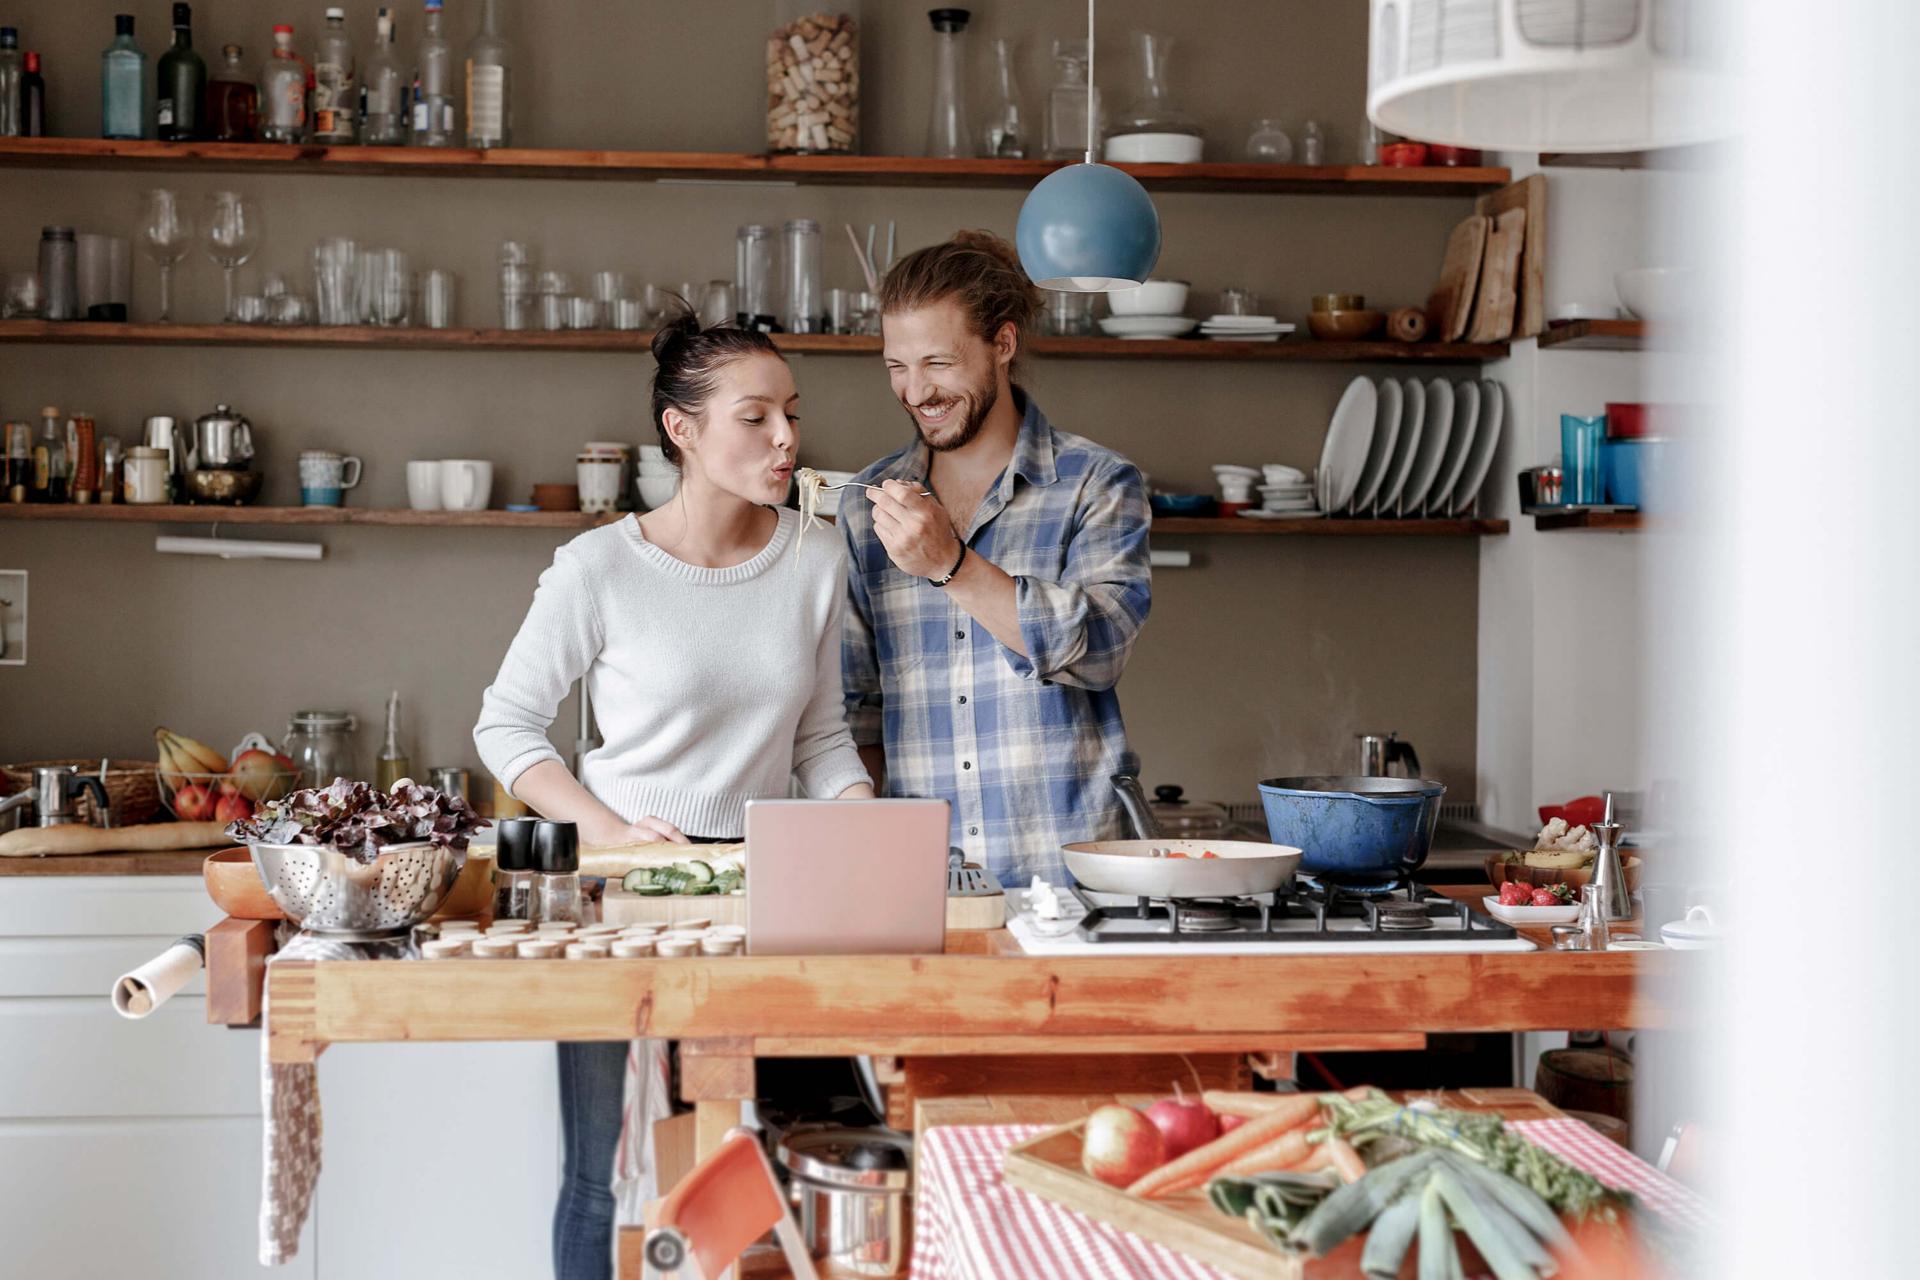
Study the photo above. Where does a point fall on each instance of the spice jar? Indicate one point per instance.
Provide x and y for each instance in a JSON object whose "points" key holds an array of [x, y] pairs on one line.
{"points": [[556, 851], [320, 743], [813, 78], [513, 868]]}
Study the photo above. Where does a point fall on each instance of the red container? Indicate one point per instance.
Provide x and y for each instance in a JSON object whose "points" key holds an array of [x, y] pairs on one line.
{"points": [[1634, 421], [1404, 155], [1454, 157]]}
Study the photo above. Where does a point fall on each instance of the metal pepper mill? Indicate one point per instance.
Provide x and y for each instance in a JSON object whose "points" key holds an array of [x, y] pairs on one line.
{"points": [[1609, 876]]}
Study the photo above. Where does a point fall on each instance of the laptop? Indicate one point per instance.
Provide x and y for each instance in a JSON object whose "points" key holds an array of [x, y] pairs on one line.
{"points": [[846, 877]]}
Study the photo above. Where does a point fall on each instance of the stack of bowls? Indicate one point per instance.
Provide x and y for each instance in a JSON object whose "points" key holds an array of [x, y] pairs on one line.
{"points": [[1236, 487], [658, 478], [1150, 310], [1286, 490], [1343, 317]]}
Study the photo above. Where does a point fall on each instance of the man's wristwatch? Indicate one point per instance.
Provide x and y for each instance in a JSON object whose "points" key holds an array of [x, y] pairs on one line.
{"points": [[941, 582]]}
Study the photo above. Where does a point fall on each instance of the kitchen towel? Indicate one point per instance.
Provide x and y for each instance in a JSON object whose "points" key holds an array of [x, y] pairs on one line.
{"points": [[137, 994], [649, 1100]]}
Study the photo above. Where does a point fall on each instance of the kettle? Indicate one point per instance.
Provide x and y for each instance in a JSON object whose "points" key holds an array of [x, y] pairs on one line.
{"points": [[53, 791], [222, 441], [1380, 752]]}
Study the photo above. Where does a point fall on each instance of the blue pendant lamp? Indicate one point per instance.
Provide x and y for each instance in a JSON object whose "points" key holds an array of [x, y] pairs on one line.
{"points": [[1089, 227]]}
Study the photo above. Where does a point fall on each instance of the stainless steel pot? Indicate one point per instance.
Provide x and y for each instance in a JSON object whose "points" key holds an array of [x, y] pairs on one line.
{"points": [[14, 810], [53, 791], [222, 441], [852, 1188]]}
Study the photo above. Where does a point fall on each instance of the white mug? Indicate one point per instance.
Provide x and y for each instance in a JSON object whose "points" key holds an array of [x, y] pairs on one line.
{"points": [[423, 486], [600, 480], [465, 484]]}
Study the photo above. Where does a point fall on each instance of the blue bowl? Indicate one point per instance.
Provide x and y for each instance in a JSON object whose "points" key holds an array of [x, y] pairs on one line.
{"points": [[1181, 504], [1352, 829]]}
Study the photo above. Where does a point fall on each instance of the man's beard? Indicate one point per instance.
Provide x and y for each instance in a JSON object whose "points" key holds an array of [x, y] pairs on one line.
{"points": [[979, 406]]}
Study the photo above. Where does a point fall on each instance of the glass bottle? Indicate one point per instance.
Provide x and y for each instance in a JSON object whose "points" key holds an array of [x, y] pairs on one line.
{"points": [[489, 83], [233, 99], [19, 462], [513, 874], [123, 83], [182, 86], [1158, 129], [1268, 143], [1313, 143], [393, 763], [1004, 135], [805, 303], [283, 91], [432, 124], [13, 72], [1066, 135], [947, 125], [320, 744], [33, 99], [556, 855], [336, 99], [49, 459], [753, 266], [383, 90]]}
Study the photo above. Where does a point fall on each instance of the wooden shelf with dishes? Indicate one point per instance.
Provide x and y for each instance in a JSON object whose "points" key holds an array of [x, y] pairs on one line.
{"points": [[1597, 335], [706, 166], [369, 337], [1328, 527], [1596, 521]]}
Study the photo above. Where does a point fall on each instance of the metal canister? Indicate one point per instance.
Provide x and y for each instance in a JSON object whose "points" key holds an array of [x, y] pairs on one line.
{"points": [[852, 1188], [452, 780]]}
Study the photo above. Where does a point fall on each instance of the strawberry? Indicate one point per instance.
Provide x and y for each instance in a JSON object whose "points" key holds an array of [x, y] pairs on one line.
{"points": [[1544, 897], [1563, 893], [1515, 894]]}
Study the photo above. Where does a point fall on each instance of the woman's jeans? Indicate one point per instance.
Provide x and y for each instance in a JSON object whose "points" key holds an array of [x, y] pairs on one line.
{"points": [[592, 1079]]}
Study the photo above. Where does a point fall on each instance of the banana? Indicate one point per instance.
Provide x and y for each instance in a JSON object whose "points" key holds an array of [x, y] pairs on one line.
{"points": [[1557, 859], [203, 757]]}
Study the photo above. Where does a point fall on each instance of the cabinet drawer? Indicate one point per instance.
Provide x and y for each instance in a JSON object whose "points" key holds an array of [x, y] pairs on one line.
{"points": [[79, 966], [63, 1057], [104, 906]]}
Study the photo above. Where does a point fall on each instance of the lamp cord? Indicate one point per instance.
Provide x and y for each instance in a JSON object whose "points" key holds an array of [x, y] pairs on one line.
{"points": [[1090, 4]]}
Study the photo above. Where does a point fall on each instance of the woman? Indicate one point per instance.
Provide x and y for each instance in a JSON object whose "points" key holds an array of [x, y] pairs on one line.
{"points": [[713, 663]]}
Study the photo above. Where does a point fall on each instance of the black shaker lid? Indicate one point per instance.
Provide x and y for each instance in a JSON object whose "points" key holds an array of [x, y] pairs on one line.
{"points": [[556, 848], [513, 845]]}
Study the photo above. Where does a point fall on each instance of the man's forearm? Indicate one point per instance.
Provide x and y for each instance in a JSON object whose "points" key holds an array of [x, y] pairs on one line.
{"points": [[986, 591]]}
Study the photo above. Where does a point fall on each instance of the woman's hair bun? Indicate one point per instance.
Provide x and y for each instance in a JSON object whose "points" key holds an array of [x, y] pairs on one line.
{"points": [[682, 325]]}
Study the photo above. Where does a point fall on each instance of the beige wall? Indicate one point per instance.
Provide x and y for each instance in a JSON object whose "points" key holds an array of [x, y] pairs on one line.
{"points": [[1264, 658]]}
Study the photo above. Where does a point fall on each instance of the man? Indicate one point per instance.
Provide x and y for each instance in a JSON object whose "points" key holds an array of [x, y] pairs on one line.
{"points": [[999, 576]]}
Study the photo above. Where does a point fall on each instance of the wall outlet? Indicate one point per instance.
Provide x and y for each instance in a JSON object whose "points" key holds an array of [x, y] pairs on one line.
{"points": [[13, 617]]}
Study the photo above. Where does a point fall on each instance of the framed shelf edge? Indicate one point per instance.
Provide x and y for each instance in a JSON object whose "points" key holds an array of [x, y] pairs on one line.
{"points": [[1597, 335], [181, 513], [1594, 521], [1331, 527]]}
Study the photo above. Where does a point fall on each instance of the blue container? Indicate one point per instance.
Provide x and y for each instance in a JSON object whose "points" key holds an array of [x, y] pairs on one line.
{"points": [[1354, 830], [1637, 471], [1580, 454]]}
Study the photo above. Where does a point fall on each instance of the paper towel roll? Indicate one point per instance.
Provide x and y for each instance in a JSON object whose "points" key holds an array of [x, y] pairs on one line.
{"points": [[137, 994]]}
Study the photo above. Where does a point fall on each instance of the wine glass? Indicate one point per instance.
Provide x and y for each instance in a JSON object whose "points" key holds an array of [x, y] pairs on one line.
{"points": [[230, 232], [166, 231]]}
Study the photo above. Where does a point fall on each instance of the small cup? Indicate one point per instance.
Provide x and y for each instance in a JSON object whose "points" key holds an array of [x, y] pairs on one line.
{"points": [[495, 948], [423, 486], [325, 477], [556, 926], [505, 928], [539, 948], [588, 951], [466, 484], [601, 480], [676, 947], [632, 949], [719, 946]]}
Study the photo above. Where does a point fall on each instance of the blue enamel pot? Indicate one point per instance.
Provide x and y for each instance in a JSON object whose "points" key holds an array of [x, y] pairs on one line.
{"points": [[1351, 829]]}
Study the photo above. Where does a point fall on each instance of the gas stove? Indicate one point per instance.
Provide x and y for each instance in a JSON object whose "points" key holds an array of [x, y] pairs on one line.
{"points": [[1301, 917]]}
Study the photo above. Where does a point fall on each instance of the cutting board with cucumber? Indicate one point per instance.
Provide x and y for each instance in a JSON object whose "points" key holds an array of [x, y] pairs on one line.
{"points": [[688, 888]]}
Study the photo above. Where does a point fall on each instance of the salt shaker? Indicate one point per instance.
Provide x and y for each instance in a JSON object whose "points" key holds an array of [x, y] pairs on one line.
{"points": [[556, 852], [513, 868]]}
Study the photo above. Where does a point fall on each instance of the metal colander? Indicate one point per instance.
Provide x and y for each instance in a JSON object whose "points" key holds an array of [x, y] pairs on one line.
{"points": [[332, 894]]}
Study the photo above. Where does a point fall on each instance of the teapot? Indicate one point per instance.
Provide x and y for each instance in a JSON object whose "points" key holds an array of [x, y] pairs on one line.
{"points": [[222, 441]]}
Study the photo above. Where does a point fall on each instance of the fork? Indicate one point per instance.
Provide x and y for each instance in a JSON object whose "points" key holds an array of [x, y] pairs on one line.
{"points": [[855, 484]]}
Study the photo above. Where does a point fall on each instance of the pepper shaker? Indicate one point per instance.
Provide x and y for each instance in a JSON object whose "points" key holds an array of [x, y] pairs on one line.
{"points": [[556, 852], [513, 868]]}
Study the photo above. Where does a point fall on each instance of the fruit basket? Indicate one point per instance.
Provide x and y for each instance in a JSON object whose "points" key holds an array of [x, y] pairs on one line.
{"points": [[198, 784]]}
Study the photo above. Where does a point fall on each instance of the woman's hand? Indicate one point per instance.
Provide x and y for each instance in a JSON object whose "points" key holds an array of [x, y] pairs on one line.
{"points": [[640, 831]]}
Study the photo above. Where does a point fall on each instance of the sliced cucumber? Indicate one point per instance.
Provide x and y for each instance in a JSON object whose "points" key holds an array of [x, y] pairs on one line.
{"points": [[635, 879], [651, 891], [701, 872]]}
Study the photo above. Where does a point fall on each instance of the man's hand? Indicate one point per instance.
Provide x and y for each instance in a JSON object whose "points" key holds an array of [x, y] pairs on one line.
{"points": [[915, 530]]}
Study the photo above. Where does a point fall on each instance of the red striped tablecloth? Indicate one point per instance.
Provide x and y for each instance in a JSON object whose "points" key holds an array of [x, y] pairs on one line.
{"points": [[970, 1225]]}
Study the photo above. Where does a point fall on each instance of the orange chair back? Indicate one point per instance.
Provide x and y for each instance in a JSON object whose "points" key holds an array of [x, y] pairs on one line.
{"points": [[725, 1203]]}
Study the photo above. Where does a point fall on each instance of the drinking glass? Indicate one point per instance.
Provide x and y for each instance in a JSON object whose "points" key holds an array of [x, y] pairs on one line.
{"points": [[387, 286], [660, 303], [716, 307], [230, 232], [166, 232], [437, 293], [1580, 458], [25, 299], [335, 275]]}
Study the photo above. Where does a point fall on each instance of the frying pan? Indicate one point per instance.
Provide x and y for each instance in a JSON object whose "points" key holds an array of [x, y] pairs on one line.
{"points": [[1143, 868]]}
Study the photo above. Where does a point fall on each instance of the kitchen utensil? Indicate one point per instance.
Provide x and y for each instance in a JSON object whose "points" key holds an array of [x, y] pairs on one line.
{"points": [[1609, 877], [466, 484], [852, 1188], [25, 298], [1658, 295], [656, 490], [1413, 420], [1698, 931], [337, 896], [1539, 487], [1528, 194], [55, 788], [224, 488], [1176, 817], [229, 233], [320, 744], [1388, 406], [104, 272], [1180, 504], [1344, 454], [14, 810], [1134, 800], [166, 433], [1379, 753], [325, 477], [1344, 326], [1238, 302], [1633, 470], [1147, 326], [1403, 155], [236, 888], [1486, 438], [166, 233], [1067, 315], [1580, 439], [78, 840], [452, 780], [222, 441], [1533, 917], [1466, 424], [1150, 298], [1450, 305], [423, 485], [59, 274], [1352, 829], [1496, 297], [1174, 868], [1406, 324], [1338, 302], [1268, 143], [336, 279]]}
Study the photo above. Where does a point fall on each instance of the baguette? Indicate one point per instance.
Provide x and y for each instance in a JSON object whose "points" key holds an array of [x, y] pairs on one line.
{"points": [[615, 860], [78, 838]]}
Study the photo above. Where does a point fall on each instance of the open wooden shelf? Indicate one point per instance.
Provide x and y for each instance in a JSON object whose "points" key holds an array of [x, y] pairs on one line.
{"points": [[704, 166], [1597, 335], [1331, 527], [119, 513], [1600, 521], [370, 337]]}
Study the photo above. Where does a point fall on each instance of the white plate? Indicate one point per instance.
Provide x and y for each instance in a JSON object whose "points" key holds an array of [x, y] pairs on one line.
{"points": [[1531, 915], [1310, 514], [1244, 322], [1242, 337], [1493, 410], [1246, 328], [1304, 504], [1147, 326], [1235, 469], [1344, 453], [1466, 420], [1412, 424], [1438, 418], [1386, 429], [1432, 450]]}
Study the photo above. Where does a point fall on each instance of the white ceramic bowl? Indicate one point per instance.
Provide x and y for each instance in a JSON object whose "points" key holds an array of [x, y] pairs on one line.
{"points": [[1658, 295], [1155, 148], [1154, 298], [655, 490]]}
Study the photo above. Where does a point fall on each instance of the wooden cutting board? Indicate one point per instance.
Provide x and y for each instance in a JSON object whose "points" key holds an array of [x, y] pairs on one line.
{"points": [[620, 907], [1530, 315], [1499, 267], [1450, 305]]}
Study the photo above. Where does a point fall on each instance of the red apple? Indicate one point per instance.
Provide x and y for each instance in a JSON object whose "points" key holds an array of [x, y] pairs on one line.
{"points": [[1184, 1123], [1121, 1146], [193, 803], [232, 806]]}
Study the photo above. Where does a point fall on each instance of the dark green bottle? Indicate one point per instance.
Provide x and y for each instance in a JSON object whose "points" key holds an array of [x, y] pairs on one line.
{"points": [[182, 85]]}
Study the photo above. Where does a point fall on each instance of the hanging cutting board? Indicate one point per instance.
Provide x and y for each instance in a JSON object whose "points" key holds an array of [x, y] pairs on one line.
{"points": [[1450, 305], [1499, 267], [1530, 315]]}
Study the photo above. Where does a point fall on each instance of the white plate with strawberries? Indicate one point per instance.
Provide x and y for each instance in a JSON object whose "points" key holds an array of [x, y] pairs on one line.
{"points": [[1531, 915]]}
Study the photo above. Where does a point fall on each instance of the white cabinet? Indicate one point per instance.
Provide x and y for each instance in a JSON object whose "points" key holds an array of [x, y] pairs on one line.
{"points": [[133, 1148]]}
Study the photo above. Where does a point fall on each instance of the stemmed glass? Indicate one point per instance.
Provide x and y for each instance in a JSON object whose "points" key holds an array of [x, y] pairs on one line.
{"points": [[166, 231], [229, 232]]}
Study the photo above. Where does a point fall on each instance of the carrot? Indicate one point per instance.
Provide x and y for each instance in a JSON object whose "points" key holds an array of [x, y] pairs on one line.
{"points": [[1352, 1168], [1244, 1103], [1200, 1161], [1286, 1151]]}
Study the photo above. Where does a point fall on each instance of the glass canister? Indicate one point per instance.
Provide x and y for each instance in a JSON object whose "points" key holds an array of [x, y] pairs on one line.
{"points": [[321, 744], [805, 309], [1066, 125], [753, 268], [1150, 129], [813, 77]]}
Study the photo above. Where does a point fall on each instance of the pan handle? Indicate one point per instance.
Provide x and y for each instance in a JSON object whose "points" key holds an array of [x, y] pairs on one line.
{"points": [[1134, 800]]}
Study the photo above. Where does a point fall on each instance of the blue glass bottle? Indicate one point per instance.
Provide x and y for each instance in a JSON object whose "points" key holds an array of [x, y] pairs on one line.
{"points": [[123, 84]]}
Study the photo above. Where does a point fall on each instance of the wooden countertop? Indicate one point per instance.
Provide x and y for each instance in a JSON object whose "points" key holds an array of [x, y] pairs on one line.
{"points": [[171, 862]]}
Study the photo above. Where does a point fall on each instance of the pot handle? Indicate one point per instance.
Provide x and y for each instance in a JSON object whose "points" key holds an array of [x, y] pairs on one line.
{"points": [[1134, 801], [87, 782], [1398, 750]]}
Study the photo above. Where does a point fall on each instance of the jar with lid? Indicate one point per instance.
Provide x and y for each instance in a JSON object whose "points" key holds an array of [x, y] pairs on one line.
{"points": [[1066, 136], [59, 274], [753, 267], [556, 855], [320, 744], [806, 308], [813, 77], [513, 875], [1150, 129]]}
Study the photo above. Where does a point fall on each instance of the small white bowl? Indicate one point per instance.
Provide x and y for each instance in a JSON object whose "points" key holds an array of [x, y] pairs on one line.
{"points": [[1155, 148], [1224, 469], [656, 491], [1154, 298], [1659, 295]]}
